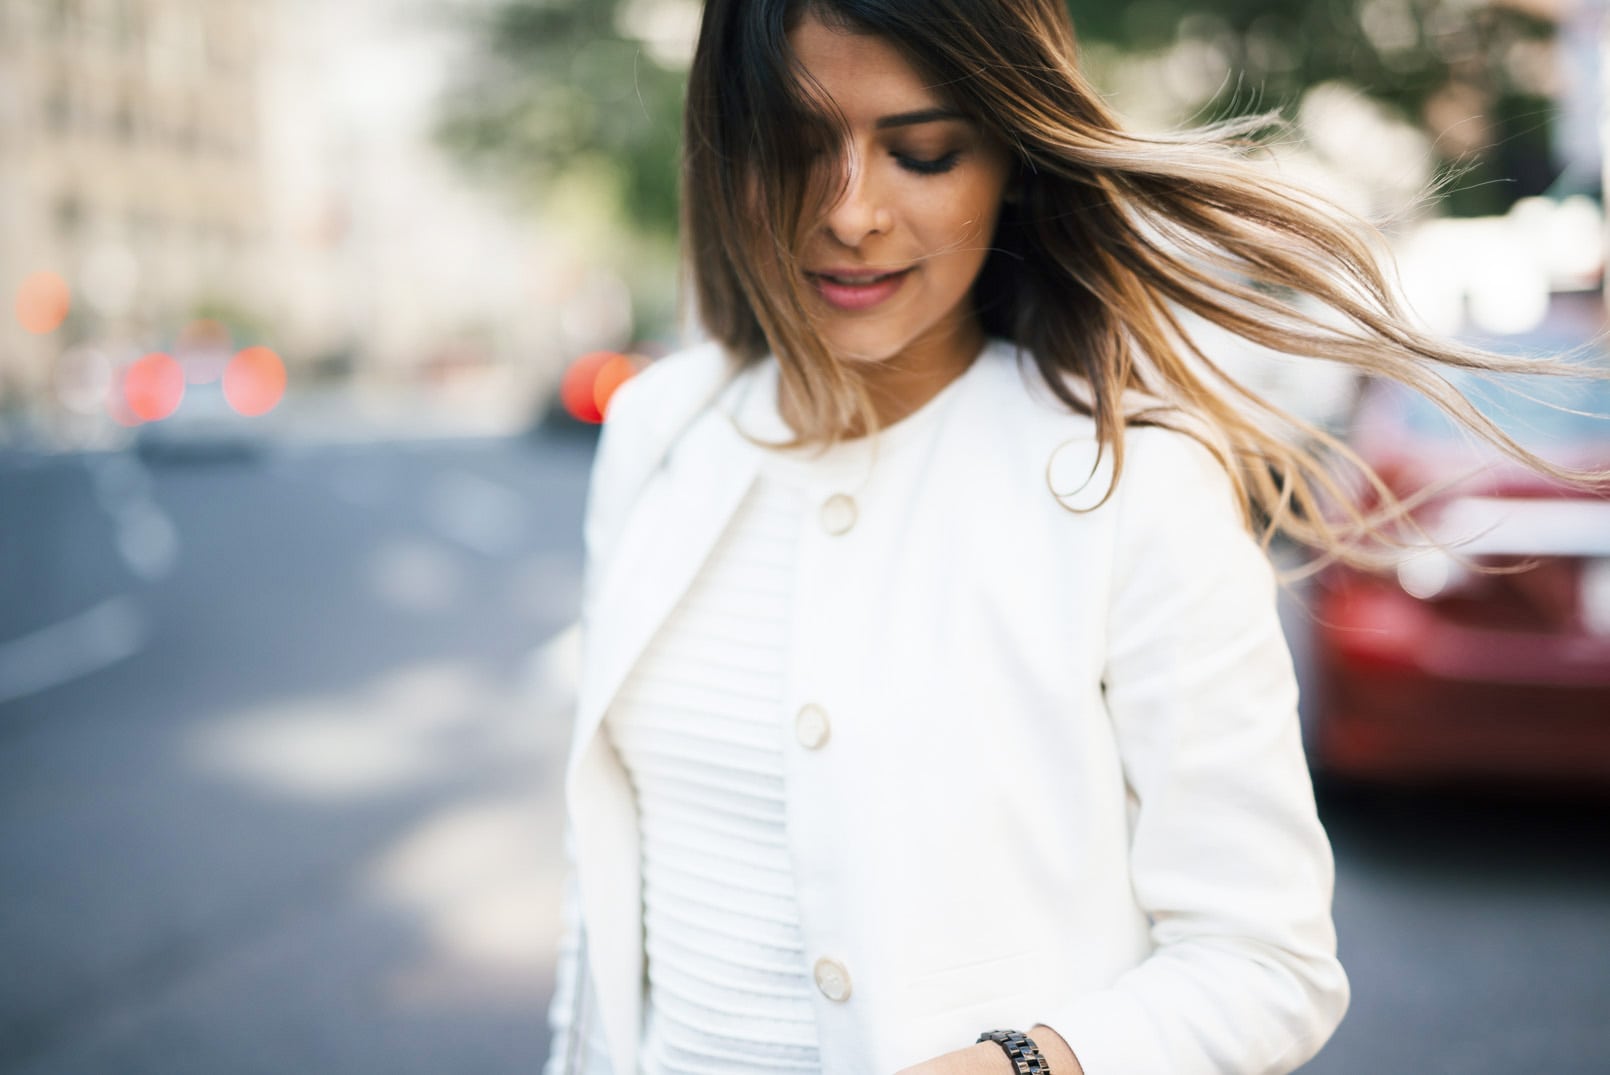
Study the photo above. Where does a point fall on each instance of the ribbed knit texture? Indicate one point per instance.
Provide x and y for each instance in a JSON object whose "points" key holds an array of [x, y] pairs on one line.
{"points": [[700, 727]]}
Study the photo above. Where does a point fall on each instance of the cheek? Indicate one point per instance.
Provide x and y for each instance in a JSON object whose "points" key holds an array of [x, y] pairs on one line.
{"points": [[965, 212]]}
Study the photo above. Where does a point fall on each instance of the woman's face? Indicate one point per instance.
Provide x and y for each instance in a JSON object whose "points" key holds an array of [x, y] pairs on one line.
{"points": [[892, 262]]}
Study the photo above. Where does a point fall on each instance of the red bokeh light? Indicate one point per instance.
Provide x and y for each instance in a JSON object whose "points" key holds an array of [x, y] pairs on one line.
{"points": [[42, 302], [254, 381], [153, 385], [576, 390], [590, 382], [611, 375]]}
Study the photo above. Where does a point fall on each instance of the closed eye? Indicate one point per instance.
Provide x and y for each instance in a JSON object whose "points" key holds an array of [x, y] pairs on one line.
{"points": [[921, 166]]}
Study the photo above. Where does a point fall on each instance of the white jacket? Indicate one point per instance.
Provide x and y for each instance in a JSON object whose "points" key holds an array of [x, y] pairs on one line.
{"points": [[1063, 781]]}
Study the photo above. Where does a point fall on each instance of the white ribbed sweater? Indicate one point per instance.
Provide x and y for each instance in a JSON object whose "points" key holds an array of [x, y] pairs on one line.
{"points": [[699, 725]]}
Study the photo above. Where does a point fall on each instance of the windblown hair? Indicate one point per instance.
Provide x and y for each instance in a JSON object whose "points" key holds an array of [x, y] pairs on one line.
{"points": [[1111, 241]]}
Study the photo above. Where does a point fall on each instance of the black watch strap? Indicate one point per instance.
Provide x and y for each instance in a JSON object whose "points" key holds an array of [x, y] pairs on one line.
{"points": [[1020, 1048]]}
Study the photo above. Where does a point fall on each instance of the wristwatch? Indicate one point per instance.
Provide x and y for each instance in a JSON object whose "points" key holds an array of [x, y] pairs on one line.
{"points": [[1024, 1054]]}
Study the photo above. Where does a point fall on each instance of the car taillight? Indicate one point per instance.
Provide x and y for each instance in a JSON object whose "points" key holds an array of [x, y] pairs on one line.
{"points": [[591, 380]]}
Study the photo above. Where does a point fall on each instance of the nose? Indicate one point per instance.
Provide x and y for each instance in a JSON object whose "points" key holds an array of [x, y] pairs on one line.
{"points": [[861, 210]]}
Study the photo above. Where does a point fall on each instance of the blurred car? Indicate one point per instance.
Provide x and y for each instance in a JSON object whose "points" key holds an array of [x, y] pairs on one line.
{"points": [[1436, 670], [200, 400], [203, 426]]}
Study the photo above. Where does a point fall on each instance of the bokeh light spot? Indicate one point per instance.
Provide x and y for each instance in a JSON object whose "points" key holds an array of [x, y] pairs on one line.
{"points": [[83, 379], [576, 391], [42, 302], [153, 385], [611, 375], [254, 381]]}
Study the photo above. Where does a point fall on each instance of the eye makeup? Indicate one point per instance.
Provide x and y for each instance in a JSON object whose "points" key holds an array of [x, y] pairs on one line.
{"points": [[928, 166]]}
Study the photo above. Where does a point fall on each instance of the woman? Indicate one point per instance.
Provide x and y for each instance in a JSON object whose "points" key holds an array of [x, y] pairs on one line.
{"points": [[932, 684]]}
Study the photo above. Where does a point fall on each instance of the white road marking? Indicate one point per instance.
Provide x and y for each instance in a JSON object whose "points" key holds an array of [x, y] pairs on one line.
{"points": [[72, 648], [146, 538]]}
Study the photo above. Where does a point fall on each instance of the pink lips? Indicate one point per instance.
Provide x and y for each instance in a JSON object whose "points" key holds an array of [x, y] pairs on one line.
{"points": [[857, 290]]}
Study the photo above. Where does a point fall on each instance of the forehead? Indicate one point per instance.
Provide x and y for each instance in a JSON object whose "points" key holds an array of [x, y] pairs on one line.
{"points": [[864, 75]]}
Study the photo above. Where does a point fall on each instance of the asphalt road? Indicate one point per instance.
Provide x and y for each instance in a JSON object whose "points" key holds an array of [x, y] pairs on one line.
{"points": [[280, 736]]}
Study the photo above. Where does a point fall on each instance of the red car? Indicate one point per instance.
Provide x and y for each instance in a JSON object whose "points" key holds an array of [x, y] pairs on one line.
{"points": [[1436, 671]]}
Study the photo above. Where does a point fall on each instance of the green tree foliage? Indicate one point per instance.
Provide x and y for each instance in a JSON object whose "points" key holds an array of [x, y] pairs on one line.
{"points": [[560, 85], [1467, 72]]}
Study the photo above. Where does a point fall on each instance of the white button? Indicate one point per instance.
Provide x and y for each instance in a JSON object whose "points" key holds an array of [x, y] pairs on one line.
{"points": [[838, 514], [810, 727], [832, 979]]}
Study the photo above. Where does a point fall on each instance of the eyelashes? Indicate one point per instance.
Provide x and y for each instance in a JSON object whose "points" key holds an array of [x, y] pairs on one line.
{"points": [[921, 166]]}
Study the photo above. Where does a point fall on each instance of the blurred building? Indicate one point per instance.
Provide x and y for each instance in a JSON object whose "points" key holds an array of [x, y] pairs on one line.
{"points": [[130, 165], [268, 167], [390, 260], [1579, 145]]}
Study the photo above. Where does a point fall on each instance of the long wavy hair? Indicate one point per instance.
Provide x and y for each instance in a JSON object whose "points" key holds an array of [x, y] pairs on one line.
{"points": [[1108, 241]]}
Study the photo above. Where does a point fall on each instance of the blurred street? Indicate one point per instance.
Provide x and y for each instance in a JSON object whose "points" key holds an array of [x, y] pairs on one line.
{"points": [[280, 744], [277, 781]]}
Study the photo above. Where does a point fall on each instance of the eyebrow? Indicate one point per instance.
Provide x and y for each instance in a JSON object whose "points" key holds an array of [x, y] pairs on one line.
{"points": [[926, 115]]}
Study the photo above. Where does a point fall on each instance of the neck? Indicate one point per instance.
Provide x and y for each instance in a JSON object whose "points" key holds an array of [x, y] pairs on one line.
{"points": [[899, 386]]}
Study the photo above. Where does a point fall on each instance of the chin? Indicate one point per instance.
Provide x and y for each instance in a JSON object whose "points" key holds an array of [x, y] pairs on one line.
{"points": [[862, 347], [863, 355]]}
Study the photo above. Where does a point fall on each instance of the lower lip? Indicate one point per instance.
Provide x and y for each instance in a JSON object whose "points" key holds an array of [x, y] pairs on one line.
{"points": [[859, 296]]}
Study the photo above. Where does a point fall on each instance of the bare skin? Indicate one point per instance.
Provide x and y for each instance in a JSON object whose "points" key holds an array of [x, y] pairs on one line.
{"points": [[922, 192], [987, 1058]]}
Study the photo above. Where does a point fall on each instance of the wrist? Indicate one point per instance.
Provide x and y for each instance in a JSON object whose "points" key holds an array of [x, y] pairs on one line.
{"points": [[986, 1056], [1058, 1056]]}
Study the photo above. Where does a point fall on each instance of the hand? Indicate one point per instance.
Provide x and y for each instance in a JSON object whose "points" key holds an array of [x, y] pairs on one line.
{"points": [[987, 1058]]}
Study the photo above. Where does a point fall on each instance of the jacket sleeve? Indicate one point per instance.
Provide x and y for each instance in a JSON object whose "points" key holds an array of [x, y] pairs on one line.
{"points": [[576, 1044], [1227, 856]]}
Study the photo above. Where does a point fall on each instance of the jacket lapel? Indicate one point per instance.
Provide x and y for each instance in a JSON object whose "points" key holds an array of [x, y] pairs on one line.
{"points": [[670, 531]]}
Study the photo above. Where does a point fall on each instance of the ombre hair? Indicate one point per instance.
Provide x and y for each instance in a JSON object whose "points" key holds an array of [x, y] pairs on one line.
{"points": [[1108, 242]]}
